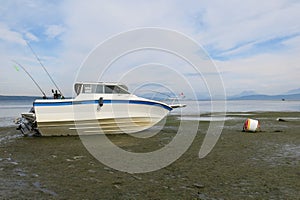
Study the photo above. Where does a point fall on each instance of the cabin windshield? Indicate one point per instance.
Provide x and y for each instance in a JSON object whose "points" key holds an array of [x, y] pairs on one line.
{"points": [[100, 89]]}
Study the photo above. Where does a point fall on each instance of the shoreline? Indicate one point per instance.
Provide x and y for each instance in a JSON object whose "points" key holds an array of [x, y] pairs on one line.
{"points": [[242, 165]]}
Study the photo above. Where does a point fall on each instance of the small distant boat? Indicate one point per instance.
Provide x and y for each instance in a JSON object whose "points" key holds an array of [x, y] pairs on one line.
{"points": [[98, 108]]}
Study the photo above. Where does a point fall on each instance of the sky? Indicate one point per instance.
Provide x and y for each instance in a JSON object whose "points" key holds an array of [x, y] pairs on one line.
{"points": [[254, 44]]}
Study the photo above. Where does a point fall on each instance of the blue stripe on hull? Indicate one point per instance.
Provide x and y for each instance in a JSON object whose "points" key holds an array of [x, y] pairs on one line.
{"points": [[69, 103]]}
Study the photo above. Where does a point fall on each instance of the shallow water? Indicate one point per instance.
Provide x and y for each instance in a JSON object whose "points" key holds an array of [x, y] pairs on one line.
{"points": [[10, 110], [207, 119]]}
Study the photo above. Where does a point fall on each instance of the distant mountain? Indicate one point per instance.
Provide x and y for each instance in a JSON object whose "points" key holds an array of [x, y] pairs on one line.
{"points": [[268, 97], [295, 91], [245, 93], [3, 97]]}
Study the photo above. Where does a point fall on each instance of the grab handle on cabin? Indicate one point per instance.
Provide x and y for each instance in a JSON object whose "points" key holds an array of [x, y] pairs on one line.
{"points": [[100, 101]]}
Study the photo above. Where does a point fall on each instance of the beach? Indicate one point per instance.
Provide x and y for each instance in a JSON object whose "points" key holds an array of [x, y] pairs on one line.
{"points": [[262, 165]]}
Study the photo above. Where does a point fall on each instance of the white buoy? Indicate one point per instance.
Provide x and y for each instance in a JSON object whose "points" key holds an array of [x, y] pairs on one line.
{"points": [[251, 125]]}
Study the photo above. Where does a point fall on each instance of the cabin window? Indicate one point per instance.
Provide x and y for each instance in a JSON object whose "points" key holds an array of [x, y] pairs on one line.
{"points": [[109, 89], [78, 88], [99, 89], [119, 90], [122, 91], [87, 88], [90, 88]]}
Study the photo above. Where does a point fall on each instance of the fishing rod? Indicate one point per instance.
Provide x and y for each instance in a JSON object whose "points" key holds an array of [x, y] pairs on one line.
{"points": [[44, 95], [36, 56]]}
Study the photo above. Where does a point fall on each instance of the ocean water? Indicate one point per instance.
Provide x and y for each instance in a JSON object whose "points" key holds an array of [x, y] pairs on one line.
{"points": [[11, 109], [239, 106]]}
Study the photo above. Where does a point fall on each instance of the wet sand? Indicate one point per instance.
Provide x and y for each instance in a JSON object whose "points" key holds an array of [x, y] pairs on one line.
{"points": [[262, 165]]}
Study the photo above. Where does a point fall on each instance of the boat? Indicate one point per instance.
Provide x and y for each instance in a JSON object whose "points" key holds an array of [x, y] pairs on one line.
{"points": [[98, 108]]}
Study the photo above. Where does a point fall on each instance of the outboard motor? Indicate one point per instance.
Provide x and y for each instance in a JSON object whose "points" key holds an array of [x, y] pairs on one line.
{"points": [[27, 124]]}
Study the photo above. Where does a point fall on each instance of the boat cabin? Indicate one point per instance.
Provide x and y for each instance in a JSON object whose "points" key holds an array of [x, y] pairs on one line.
{"points": [[100, 88]]}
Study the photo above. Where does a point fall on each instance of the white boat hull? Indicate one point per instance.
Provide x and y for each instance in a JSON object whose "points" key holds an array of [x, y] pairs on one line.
{"points": [[86, 117]]}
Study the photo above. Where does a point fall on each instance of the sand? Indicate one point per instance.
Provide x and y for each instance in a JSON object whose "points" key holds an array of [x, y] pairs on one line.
{"points": [[262, 165]]}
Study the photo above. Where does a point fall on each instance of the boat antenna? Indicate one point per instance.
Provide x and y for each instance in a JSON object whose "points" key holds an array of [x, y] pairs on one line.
{"points": [[44, 95], [36, 56]]}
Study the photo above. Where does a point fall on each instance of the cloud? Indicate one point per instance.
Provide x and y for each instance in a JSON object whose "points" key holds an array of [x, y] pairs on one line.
{"points": [[264, 73], [275, 45], [234, 23], [8, 35], [31, 37], [239, 36], [53, 31]]}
